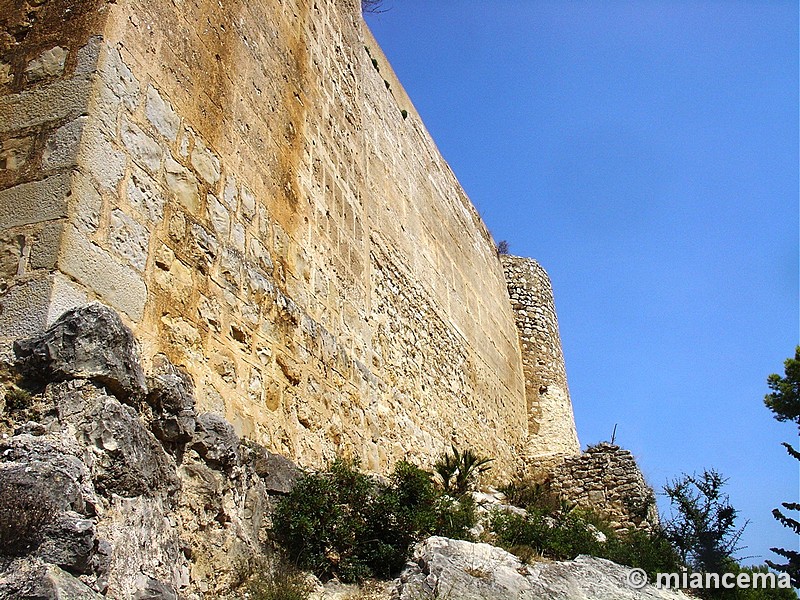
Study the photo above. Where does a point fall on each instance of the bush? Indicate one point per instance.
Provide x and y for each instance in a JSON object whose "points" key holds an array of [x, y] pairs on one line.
{"points": [[568, 532], [459, 471], [17, 399], [343, 523], [278, 581]]}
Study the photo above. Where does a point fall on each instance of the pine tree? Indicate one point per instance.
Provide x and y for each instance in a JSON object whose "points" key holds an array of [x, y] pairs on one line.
{"points": [[784, 401]]}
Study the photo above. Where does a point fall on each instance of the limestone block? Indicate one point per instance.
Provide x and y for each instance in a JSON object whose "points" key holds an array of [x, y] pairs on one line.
{"points": [[85, 204], [61, 147], [230, 193], [118, 285], [248, 204], [128, 238], [48, 64], [143, 149], [55, 101], [119, 78], [88, 56], [15, 152], [23, 307], [219, 217], [145, 196], [205, 163], [182, 184], [238, 236], [46, 246], [161, 115], [34, 202], [64, 296], [100, 157]]}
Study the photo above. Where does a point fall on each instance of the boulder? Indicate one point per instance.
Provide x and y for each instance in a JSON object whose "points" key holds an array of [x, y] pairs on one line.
{"points": [[445, 568], [89, 342], [128, 459], [172, 399], [278, 473], [33, 580], [215, 441]]}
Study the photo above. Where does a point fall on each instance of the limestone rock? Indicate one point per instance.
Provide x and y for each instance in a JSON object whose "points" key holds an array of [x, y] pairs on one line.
{"points": [[215, 440], [279, 474], [444, 568], [172, 399], [88, 342], [123, 456], [32, 580]]}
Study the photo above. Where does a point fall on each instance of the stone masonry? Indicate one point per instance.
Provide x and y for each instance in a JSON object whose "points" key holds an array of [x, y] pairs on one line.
{"points": [[551, 426], [606, 479], [250, 187]]}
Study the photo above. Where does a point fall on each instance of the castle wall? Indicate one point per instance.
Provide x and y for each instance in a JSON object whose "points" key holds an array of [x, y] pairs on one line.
{"points": [[551, 425], [249, 186]]}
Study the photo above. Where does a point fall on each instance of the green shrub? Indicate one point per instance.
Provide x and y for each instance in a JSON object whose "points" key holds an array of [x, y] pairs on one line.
{"points": [[560, 537], [649, 551], [17, 399], [531, 495], [459, 471], [280, 580], [343, 523]]}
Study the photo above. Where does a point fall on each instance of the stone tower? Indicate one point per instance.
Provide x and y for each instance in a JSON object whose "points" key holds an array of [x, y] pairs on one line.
{"points": [[551, 425]]}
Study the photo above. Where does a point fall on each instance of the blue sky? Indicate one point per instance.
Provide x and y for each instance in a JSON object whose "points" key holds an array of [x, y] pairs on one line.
{"points": [[646, 154]]}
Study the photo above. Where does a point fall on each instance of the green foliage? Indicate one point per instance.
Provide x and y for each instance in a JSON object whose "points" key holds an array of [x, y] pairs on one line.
{"points": [[652, 552], [404, 114], [277, 581], [343, 523], [784, 402], [529, 494], [703, 530], [459, 471], [17, 399], [559, 537]]}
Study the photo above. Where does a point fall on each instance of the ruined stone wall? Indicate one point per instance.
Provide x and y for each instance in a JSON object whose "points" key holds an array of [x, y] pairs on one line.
{"points": [[249, 186], [607, 479], [551, 425]]}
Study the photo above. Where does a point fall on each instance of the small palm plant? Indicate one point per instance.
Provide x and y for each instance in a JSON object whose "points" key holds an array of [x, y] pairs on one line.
{"points": [[459, 470]]}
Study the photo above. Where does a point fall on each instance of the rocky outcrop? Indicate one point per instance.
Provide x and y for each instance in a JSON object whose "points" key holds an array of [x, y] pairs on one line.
{"points": [[444, 568], [85, 343], [112, 485]]}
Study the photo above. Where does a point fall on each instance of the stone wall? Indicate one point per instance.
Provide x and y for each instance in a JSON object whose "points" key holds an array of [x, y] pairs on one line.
{"points": [[551, 425], [606, 479], [250, 187]]}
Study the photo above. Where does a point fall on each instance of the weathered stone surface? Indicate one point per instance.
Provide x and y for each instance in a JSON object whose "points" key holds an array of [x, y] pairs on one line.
{"points": [[215, 440], [161, 115], [127, 460], [607, 480], [278, 473], [58, 100], [90, 342], [49, 63], [34, 202], [445, 568], [172, 398], [33, 580]]}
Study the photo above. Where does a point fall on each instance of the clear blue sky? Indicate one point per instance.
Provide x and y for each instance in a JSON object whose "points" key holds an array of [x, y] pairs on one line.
{"points": [[646, 153]]}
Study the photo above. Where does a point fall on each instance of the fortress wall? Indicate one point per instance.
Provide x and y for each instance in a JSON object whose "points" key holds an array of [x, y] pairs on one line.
{"points": [[551, 424], [240, 183]]}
